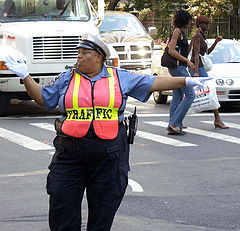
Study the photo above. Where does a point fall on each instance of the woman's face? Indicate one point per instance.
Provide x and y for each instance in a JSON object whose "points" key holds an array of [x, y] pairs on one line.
{"points": [[88, 60], [204, 26]]}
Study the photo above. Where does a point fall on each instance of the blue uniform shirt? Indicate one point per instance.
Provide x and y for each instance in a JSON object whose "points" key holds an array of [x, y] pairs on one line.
{"points": [[132, 84]]}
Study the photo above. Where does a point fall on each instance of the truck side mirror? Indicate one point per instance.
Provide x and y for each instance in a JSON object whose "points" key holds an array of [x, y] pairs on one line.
{"points": [[99, 14], [101, 5], [152, 30]]}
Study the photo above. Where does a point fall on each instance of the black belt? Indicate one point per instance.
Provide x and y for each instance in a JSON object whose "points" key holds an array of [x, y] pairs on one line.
{"points": [[90, 133]]}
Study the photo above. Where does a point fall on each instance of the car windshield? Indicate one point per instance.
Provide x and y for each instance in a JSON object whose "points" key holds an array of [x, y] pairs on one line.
{"points": [[226, 53], [42, 10], [116, 23]]}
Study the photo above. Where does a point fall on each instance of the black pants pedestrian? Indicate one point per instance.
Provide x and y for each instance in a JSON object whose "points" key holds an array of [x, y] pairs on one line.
{"points": [[100, 167]]}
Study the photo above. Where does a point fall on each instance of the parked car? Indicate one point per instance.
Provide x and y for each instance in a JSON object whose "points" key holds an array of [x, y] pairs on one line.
{"points": [[226, 71], [129, 38]]}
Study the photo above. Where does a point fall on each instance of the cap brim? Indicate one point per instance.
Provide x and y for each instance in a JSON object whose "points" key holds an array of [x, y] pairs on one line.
{"points": [[84, 46]]}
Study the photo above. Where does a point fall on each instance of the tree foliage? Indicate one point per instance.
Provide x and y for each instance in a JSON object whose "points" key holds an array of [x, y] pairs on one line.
{"points": [[200, 7], [159, 12], [162, 10], [219, 9], [112, 4]]}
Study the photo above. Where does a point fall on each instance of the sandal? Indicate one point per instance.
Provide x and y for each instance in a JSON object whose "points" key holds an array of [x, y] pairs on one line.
{"points": [[172, 131]]}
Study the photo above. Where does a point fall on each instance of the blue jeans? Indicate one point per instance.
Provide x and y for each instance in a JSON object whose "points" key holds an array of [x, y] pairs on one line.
{"points": [[182, 98], [202, 72]]}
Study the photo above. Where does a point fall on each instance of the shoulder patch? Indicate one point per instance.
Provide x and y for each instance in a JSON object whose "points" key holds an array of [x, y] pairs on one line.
{"points": [[134, 72], [137, 72], [53, 81]]}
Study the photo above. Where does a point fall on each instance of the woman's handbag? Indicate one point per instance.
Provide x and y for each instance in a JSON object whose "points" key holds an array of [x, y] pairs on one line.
{"points": [[167, 60], [206, 98], [206, 61]]}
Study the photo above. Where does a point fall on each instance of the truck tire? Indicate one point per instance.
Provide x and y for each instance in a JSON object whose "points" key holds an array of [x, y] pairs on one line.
{"points": [[4, 102], [159, 98]]}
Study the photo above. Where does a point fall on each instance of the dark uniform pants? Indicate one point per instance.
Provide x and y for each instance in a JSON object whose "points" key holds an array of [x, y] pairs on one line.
{"points": [[100, 167]]}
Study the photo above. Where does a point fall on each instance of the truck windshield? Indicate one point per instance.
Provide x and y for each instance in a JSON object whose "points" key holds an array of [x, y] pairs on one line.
{"points": [[43, 10], [116, 23]]}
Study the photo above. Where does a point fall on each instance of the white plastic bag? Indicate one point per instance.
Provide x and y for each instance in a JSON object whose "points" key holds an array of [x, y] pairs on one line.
{"points": [[207, 62], [206, 98]]}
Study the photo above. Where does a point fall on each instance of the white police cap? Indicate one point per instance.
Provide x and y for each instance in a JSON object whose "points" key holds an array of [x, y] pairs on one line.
{"points": [[94, 42]]}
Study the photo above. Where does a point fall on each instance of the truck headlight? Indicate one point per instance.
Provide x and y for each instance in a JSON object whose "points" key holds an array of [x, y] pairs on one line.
{"points": [[142, 52], [2, 66]]}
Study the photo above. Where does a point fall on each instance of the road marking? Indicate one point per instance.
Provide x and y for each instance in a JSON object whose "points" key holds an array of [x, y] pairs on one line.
{"points": [[184, 161], [139, 115], [46, 126], [163, 139], [232, 125], [30, 117], [25, 141], [201, 132], [195, 115], [135, 186], [21, 174], [137, 106]]}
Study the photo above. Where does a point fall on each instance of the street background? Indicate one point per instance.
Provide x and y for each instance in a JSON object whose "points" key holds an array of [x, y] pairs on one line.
{"points": [[187, 183]]}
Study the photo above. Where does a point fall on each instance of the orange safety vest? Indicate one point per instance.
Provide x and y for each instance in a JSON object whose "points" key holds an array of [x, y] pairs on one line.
{"points": [[97, 104]]}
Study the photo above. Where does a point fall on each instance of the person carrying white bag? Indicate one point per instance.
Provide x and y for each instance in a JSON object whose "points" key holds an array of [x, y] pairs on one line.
{"points": [[199, 49], [205, 98]]}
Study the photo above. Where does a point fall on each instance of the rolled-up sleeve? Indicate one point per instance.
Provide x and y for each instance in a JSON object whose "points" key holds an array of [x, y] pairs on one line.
{"points": [[136, 85], [51, 93]]}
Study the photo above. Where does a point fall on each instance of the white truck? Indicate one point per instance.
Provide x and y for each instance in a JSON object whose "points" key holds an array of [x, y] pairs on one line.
{"points": [[130, 39], [45, 37]]}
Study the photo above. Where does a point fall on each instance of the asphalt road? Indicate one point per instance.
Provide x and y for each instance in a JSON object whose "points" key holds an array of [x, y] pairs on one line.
{"points": [[188, 183]]}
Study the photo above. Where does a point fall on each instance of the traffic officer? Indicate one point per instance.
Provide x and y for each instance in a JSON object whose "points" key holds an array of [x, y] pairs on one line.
{"points": [[92, 151]]}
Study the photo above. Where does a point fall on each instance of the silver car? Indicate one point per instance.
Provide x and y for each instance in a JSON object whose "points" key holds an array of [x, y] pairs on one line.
{"points": [[226, 71]]}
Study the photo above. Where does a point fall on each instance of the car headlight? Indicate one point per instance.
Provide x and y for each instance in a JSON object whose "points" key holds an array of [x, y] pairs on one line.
{"points": [[112, 62], [142, 52], [220, 82], [229, 82]]}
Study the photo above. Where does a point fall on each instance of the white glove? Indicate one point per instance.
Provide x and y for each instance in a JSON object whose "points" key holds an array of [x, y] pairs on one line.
{"points": [[18, 67], [196, 81]]}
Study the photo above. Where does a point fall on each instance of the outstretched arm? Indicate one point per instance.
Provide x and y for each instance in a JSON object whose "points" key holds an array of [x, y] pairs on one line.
{"points": [[168, 83]]}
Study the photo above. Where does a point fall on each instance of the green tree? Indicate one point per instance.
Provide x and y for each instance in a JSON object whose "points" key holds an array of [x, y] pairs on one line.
{"points": [[157, 13], [200, 7], [227, 9]]}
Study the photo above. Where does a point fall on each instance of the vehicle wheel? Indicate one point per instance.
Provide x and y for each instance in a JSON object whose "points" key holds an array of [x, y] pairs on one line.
{"points": [[5, 101], [159, 98]]}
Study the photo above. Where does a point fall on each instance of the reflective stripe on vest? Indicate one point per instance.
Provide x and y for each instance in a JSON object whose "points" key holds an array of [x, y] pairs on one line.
{"points": [[98, 104]]}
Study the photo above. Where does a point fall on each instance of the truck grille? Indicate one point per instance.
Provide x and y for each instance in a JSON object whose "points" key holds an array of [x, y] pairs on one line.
{"points": [[132, 56], [55, 47], [234, 94]]}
